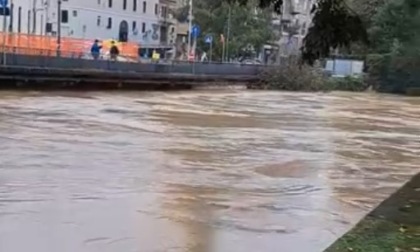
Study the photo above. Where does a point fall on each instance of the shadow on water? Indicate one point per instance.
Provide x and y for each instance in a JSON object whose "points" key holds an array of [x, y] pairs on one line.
{"points": [[197, 171]]}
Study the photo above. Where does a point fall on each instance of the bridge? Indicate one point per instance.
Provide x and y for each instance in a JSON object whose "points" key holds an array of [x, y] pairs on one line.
{"points": [[46, 72]]}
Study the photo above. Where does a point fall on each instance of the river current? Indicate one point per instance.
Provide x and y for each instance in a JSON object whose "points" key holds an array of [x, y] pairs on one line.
{"points": [[197, 171]]}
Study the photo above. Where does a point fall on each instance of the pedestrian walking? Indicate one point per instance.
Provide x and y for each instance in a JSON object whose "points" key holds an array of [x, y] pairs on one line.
{"points": [[114, 51], [95, 50]]}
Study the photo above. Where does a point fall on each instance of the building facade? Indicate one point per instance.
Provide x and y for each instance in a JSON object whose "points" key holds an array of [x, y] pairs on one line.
{"points": [[292, 26], [140, 21]]}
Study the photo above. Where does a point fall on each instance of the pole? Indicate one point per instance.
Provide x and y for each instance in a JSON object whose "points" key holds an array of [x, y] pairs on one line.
{"points": [[4, 34], [34, 16], [58, 28], [190, 17], [228, 35], [47, 15], [211, 51], [194, 48], [223, 50], [280, 40], [42, 25]]}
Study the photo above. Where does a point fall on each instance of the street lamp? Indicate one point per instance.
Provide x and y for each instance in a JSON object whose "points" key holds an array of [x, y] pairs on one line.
{"points": [[4, 7], [58, 28], [228, 34], [190, 17]]}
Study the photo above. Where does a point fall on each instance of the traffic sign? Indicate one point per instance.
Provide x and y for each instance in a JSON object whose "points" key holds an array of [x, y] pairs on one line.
{"points": [[4, 3], [4, 10], [195, 31], [208, 39]]}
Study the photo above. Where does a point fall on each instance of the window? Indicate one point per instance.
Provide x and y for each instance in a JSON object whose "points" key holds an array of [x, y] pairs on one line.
{"points": [[134, 26], [163, 11], [64, 16], [134, 5], [75, 13], [110, 3], [98, 21], [48, 28], [156, 9], [144, 6], [109, 25], [143, 27], [29, 21], [309, 7], [303, 29], [124, 4]]}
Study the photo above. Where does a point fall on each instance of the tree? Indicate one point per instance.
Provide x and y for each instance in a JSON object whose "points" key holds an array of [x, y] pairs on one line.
{"points": [[367, 9], [335, 25], [396, 28], [394, 61], [249, 27]]}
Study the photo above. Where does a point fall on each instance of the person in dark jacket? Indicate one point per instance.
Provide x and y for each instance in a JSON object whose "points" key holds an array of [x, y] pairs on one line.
{"points": [[114, 51], [95, 50]]}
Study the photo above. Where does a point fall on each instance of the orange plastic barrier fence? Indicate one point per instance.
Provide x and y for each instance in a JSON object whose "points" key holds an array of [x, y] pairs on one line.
{"points": [[69, 47]]}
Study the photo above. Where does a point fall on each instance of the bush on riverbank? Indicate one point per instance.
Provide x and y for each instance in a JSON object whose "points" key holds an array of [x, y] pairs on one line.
{"points": [[291, 78], [349, 83], [391, 73], [305, 78]]}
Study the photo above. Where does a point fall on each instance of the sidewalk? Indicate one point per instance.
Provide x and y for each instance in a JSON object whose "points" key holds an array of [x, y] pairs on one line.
{"points": [[394, 226]]}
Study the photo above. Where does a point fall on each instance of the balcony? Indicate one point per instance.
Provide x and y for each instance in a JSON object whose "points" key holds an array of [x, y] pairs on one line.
{"points": [[286, 18], [296, 9], [168, 2], [166, 17], [167, 21]]}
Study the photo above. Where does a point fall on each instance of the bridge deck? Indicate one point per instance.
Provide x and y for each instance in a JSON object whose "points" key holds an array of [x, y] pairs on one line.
{"points": [[23, 77]]}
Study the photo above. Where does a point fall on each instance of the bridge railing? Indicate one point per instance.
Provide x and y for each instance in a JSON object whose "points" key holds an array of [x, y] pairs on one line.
{"points": [[31, 44], [46, 58]]}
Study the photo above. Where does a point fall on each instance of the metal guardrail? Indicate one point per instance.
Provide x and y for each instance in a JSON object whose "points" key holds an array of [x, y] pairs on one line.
{"points": [[41, 58]]}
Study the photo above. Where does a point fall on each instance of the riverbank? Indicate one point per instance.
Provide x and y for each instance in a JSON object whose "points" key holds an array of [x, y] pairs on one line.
{"points": [[37, 78], [394, 226]]}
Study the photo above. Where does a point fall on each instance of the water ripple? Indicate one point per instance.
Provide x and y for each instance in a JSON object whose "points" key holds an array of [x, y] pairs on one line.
{"points": [[197, 171]]}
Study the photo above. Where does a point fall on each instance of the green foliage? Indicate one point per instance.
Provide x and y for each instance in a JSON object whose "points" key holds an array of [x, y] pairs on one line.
{"points": [[376, 65], [375, 235], [366, 9], [394, 226], [395, 28], [395, 66], [292, 77], [335, 25], [348, 83], [393, 73], [250, 27], [396, 74]]}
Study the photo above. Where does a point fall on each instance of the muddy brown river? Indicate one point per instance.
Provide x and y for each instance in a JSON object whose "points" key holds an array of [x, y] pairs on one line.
{"points": [[198, 171]]}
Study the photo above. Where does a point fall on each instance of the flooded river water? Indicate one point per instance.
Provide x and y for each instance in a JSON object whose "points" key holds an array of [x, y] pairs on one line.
{"points": [[202, 171]]}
